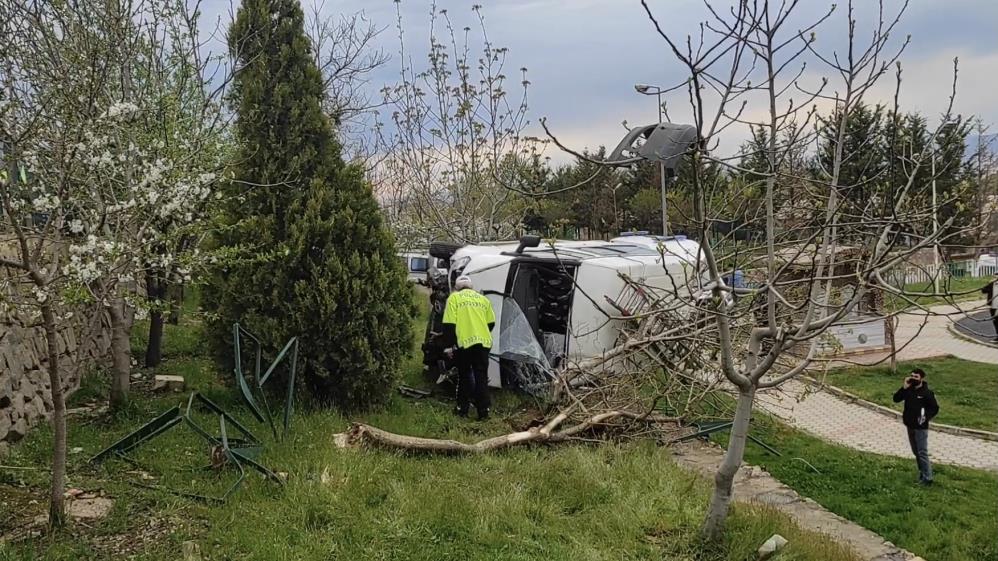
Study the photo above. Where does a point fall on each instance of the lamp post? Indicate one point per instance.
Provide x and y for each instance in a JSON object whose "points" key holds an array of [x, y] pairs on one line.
{"points": [[935, 229], [656, 91]]}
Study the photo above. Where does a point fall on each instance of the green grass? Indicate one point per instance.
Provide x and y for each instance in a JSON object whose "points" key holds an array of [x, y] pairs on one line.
{"points": [[608, 501], [955, 520], [967, 391], [960, 289]]}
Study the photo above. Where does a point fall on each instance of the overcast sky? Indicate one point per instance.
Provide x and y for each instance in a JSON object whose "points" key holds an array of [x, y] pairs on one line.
{"points": [[584, 56]]}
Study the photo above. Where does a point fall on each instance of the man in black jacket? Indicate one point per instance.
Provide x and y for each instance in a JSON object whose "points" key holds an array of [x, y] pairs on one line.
{"points": [[991, 293], [919, 408]]}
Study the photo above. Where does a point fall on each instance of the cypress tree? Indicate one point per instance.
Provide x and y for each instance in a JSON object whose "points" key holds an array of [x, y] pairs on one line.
{"points": [[307, 252]]}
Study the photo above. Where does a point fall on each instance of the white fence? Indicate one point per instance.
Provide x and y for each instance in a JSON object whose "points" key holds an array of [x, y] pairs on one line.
{"points": [[970, 268], [986, 271]]}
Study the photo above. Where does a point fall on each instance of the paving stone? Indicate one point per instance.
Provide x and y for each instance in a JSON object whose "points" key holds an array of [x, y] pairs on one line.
{"points": [[836, 420]]}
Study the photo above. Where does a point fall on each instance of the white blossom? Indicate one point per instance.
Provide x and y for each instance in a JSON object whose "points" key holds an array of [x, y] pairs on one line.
{"points": [[121, 110], [45, 202]]}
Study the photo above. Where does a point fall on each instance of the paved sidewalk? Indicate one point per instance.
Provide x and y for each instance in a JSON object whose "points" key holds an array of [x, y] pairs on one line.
{"points": [[922, 335], [848, 424]]}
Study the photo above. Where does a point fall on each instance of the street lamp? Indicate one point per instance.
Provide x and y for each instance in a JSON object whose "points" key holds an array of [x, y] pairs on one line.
{"points": [[645, 89]]}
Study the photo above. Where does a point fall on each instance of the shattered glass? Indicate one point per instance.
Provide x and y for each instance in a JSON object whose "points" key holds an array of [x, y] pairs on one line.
{"points": [[530, 369]]}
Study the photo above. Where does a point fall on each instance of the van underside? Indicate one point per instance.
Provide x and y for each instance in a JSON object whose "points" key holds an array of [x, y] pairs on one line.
{"points": [[544, 291]]}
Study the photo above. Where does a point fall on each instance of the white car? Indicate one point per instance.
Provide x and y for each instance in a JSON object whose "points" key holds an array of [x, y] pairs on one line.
{"points": [[418, 263]]}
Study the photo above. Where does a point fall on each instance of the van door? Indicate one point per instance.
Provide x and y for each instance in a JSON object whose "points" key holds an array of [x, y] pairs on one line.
{"points": [[490, 281]]}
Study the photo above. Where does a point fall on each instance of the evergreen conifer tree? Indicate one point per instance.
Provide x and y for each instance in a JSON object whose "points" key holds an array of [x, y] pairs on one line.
{"points": [[308, 252]]}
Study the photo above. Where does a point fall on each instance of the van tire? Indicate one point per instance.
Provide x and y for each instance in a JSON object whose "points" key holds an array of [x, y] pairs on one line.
{"points": [[443, 250]]}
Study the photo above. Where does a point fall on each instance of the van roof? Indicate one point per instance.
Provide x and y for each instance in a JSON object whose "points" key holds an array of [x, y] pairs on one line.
{"points": [[586, 250]]}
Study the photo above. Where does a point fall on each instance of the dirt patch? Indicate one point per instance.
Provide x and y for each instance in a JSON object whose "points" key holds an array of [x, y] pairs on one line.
{"points": [[19, 507], [144, 534], [525, 418], [24, 519]]}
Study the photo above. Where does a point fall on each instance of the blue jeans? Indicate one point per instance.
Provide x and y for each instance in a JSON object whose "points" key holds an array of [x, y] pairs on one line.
{"points": [[919, 440]]}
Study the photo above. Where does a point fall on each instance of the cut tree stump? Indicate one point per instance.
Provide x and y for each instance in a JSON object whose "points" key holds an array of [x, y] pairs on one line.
{"points": [[164, 382]]}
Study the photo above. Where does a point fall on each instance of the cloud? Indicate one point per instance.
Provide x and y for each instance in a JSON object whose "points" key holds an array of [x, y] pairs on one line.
{"points": [[584, 56]]}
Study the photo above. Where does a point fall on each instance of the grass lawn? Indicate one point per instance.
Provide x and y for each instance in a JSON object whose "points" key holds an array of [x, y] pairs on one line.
{"points": [[591, 502], [967, 391], [961, 289], [955, 520]]}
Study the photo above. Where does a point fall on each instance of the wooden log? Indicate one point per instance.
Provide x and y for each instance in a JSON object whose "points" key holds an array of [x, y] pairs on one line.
{"points": [[360, 434]]}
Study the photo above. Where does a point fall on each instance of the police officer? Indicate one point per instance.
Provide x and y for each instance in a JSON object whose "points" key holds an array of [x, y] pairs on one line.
{"points": [[468, 322]]}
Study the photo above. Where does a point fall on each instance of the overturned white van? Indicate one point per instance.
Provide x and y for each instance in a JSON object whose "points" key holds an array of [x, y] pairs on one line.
{"points": [[563, 293]]}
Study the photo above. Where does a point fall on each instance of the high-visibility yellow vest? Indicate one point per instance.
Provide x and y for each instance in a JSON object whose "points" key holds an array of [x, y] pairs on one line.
{"points": [[470, 313]]}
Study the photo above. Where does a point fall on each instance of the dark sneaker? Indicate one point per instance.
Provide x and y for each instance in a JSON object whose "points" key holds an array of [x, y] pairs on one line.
{"points": [[925, 482], [461, 412], [483, 415]]}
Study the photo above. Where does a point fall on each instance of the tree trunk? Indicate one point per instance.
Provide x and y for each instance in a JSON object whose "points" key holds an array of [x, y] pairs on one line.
{"points": [[121, 356], [155, 292], [724, 479], [176, 301], [57, 509], [154, 348], [891, 329]]}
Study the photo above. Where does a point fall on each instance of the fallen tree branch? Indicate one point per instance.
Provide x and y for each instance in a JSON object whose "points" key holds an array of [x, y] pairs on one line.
{"points": [[360, 433]]}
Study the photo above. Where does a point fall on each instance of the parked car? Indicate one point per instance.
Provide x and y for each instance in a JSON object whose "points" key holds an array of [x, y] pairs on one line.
{"points": [[418, 263]]}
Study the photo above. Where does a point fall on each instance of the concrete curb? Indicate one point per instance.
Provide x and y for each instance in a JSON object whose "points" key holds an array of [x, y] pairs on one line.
{"points": [[949, 429], [956, 333]]}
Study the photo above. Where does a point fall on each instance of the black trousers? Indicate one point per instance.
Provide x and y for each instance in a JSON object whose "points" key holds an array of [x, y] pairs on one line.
{"points": [[473, 378]]}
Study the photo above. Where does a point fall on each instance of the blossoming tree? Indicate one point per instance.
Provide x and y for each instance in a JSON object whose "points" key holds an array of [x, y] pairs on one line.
{"points": [[111, 138]]}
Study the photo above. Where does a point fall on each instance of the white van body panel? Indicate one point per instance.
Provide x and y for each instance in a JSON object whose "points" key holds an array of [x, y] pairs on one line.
{"points": [[597, 278]]}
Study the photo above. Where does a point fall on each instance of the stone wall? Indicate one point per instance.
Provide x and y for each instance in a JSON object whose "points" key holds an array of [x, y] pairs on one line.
{"points": [[25, 399]]}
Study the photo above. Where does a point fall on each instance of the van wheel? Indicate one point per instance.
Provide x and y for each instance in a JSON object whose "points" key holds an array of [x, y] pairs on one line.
{"points": [[443, 250]]}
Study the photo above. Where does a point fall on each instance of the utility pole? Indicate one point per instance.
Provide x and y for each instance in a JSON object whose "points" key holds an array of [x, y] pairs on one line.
{"points": [[657, 92], [980, 198]]}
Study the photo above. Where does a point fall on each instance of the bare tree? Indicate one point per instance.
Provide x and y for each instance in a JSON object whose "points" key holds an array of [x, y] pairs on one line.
{"points": [[456, 137], [347, 55], [807, 281]]}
